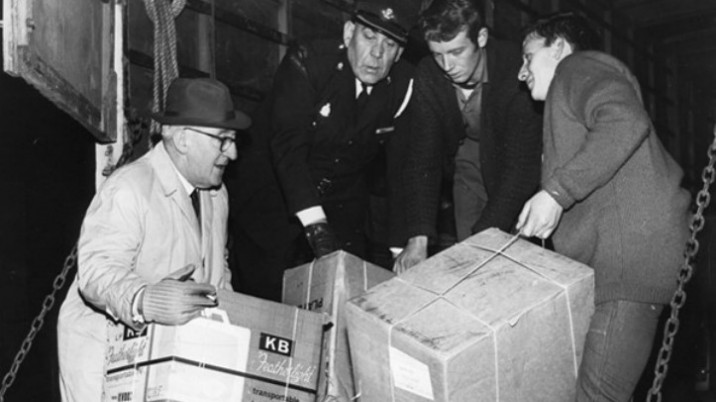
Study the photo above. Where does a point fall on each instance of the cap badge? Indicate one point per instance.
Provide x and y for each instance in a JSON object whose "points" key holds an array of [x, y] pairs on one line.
{"points": [[388, 14], [325, 110]]}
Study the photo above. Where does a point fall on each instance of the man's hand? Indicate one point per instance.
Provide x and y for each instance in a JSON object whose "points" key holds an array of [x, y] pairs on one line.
{"points": [[175, 300], [539, 216], [415, 252], [321, 239]]}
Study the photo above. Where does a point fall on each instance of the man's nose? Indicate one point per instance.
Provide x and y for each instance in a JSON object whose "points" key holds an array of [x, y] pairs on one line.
{"points": [[447, 63], [377, 50], [522, 74], [232, 153]]}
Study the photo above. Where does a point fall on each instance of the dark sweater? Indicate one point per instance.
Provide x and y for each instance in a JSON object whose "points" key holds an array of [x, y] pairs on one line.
{"points": [[510, 139], [625, 212]]}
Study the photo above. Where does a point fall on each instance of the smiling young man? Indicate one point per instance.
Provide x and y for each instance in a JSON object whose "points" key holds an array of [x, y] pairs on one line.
{"points": [[472, 127], [153, 241], [332, 106], [610, 198]]}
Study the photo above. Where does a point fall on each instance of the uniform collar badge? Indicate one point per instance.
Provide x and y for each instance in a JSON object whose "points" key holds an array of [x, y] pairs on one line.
{"points": [[325, 110]]}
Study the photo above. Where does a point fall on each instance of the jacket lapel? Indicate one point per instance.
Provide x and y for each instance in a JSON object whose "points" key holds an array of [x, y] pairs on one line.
{"points": [[335, 99], [493, 74], [207, 214], [448, 97], [173, 189]]}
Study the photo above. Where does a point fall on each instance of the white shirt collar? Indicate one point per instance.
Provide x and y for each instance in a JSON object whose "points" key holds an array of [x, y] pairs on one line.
{"points": [[184, 182], [359, 87]]}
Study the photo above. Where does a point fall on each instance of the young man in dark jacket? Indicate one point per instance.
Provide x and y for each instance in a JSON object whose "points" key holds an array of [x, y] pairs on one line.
{"points": [[472, 126], [610, 198]]}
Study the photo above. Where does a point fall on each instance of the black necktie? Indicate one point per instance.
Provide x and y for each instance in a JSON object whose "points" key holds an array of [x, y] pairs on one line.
{"points": [[196, 203], [362, 99]]}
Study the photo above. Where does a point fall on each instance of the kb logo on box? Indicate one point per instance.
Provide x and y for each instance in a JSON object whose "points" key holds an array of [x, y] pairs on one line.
{"points": [[276, 344], [129, 333]]}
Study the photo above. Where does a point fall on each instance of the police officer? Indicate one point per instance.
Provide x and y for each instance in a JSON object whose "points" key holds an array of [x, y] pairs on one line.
{"points": [[332, 106]]}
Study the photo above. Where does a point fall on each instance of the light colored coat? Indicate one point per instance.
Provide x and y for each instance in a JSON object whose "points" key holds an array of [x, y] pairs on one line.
{"points": [[139, 228]]}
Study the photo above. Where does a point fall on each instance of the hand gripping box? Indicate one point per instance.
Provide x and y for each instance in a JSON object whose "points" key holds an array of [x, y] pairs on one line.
{"points": [[494, 318], [325, 285], [247, 349]]}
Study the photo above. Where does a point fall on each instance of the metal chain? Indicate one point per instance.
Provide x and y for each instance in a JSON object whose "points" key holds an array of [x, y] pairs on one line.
{"points": [[692, 248], [127, 153], [37, 323], [137, 128]]}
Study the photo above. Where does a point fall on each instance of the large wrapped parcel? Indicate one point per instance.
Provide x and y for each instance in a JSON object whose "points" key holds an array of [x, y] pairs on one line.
{"points": [[325, 285], [247, 349], [494, 318]]}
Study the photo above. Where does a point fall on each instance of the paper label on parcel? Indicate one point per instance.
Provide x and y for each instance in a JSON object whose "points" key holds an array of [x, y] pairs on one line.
{"points": [[410, 374]]}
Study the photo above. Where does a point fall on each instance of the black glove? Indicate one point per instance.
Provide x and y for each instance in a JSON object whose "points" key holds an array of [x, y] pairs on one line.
{"points": [[321, 239]]}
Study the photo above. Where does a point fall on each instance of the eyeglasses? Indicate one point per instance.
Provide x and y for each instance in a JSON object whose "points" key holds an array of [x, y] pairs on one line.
{"points": [[225, 142]]}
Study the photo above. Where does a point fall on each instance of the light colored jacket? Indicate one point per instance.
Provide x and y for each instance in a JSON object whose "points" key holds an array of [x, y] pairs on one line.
{"points": [[139, 228]]}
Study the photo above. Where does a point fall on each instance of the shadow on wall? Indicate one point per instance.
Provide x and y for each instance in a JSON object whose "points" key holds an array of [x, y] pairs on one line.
{"points": [[47, 173]]}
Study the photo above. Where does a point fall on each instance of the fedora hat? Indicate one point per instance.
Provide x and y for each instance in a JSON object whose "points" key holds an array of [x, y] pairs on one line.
{"points": [[201, 102], [393, 18]]}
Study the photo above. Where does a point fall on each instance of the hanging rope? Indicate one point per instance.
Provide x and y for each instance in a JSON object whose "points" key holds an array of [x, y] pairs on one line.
{"points": [[162, 13], [677, 301]]}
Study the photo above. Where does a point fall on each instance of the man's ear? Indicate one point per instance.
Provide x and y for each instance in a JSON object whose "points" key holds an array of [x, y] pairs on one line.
{"points": [[349, 29], [179, 139], [562, 48], [482, 36]]}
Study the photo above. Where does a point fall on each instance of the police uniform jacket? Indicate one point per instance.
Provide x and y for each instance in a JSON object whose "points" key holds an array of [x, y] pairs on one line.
{"points": [[321, 146]]}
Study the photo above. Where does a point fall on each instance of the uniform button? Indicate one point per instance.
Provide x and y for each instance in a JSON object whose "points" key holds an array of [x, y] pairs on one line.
{"points": [[337, 160], [313, 124], [350, 142]]}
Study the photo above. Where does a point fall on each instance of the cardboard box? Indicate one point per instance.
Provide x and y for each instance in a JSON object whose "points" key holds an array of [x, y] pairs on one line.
{"points": [[494, 318], [325, 285], [247, 349]]}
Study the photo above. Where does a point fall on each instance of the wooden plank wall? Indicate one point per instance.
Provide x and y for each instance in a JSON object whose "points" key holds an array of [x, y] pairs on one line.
{"points": [[241, 43], [237, 42], [60, 49]]}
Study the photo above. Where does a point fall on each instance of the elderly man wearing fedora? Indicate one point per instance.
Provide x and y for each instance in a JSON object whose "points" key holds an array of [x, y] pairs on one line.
{"points": [[152, 244], [333, 106]]}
